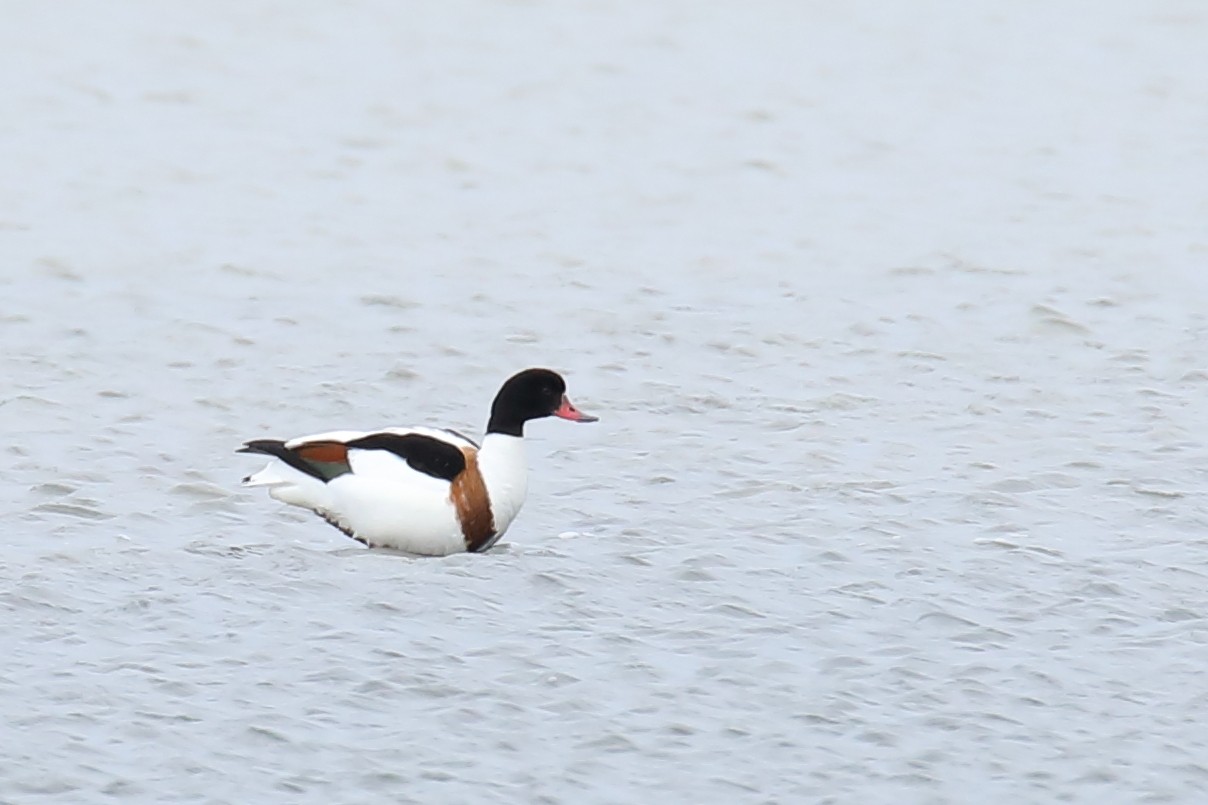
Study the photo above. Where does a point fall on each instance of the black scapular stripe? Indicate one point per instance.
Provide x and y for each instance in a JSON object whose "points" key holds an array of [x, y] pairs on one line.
{"points": [[422, 453]]}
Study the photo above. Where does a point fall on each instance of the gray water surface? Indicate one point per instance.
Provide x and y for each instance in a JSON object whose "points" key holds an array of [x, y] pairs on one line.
{"points": [[893, 316]]}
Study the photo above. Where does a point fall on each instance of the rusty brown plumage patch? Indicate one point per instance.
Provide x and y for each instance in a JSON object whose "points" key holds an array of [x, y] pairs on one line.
{"points": [[324, 460], [469, 495], [326, 452]]}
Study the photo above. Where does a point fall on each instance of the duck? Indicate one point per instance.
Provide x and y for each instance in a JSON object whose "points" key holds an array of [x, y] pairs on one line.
{"points": [[421, 490]]}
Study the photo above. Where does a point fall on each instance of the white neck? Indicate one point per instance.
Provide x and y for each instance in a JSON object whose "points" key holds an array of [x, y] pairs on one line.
{"points": [[505, 473]]}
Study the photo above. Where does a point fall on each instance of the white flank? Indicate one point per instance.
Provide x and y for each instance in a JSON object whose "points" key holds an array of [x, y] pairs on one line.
{"points": [[387, 503]]}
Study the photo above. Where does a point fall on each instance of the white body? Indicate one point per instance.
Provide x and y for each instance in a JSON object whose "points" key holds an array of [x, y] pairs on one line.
{"points": [[384, 502]]}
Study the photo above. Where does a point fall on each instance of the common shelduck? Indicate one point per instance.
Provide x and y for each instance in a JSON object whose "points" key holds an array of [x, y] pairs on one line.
{"points": [[420, 490]]}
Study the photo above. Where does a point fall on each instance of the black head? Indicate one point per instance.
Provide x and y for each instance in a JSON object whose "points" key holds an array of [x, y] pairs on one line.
{"points": [[531, 394]]}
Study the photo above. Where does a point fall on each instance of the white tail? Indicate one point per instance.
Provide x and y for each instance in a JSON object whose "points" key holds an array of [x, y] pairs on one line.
{"points": [[291, 486]]}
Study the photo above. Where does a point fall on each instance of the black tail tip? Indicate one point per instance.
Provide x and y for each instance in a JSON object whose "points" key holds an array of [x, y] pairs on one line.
{"points": [[268, 447]]}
